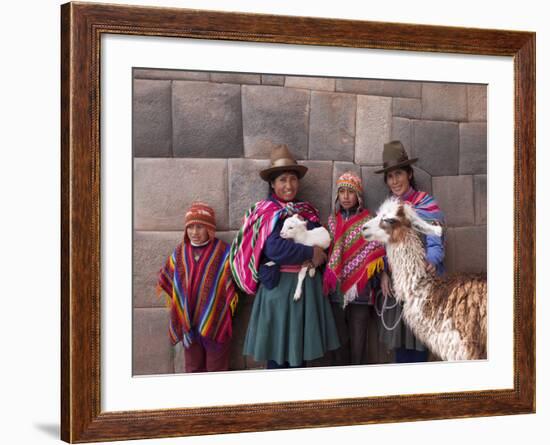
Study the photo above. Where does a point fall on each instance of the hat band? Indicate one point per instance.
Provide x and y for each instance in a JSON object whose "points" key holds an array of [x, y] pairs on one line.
{"points": [[394, 162], [284, 162]]}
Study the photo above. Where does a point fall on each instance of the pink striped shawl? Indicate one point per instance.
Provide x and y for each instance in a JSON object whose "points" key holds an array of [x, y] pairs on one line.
{"points": [[259, 221]]}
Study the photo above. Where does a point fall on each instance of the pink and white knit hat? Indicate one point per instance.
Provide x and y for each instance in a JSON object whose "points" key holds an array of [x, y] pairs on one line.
{"points": [[353, 182]]}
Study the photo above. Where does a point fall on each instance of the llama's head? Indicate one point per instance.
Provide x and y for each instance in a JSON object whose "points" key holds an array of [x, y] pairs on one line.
{"points": [[393, 220], [293, 226]]}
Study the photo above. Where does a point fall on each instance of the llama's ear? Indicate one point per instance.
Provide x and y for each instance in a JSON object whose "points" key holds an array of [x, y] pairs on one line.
{"points": [[420, 225]]}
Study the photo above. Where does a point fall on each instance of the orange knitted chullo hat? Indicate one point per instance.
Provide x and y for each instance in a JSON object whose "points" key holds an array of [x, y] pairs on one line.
{"points": [[353, 182], [201, 213]]}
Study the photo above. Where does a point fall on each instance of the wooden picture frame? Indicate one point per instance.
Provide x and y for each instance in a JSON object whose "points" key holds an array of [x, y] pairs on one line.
{"points": [[82, 26]]}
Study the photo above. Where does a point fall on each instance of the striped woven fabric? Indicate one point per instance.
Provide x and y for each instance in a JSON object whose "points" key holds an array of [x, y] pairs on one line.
{"points": [[352, 259], [201, 294], [259, 221], [425, 205]]}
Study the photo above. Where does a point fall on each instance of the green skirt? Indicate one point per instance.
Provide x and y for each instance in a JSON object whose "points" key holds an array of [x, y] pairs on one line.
{"points": [[285, 330]]}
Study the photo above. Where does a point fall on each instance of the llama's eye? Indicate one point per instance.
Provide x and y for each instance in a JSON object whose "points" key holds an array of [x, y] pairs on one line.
{"points": [[390, 221]]}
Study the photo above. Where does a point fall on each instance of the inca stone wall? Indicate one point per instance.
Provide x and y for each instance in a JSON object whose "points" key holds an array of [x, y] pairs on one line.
{"points": [[200, 135]]}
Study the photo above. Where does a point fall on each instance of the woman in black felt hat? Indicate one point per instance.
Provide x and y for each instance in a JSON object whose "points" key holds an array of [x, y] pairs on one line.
{"points": [[399, 178]]}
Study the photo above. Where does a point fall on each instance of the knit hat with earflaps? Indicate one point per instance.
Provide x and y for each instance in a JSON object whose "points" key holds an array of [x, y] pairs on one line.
{"points": [[353, 182], [201, 213]]}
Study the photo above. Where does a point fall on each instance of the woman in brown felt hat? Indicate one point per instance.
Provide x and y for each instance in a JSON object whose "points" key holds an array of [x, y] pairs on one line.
{"points": [[282, 331], [399, 178]]}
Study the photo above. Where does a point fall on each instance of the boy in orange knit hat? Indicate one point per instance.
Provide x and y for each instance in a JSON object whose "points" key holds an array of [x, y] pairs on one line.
{"points": [[200, 293]]}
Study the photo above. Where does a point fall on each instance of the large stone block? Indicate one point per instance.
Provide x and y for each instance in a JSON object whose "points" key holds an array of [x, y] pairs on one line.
{"points": [[245, 187], [471, 249], [371, 87], [375, 190], [310, 83], [455, 195], [151, 250], [315, 186], [275, 115], [152, 118], [207, 120], [480, 198], [405, 107], [145, 73], [473, 148], [164, 189], [373, 128], [332, 126], [273, 79], [402, 130], [250, 79], [436, 145], [477, 102], [152, 350], [423, 180], [227, 237], [444, 101]]}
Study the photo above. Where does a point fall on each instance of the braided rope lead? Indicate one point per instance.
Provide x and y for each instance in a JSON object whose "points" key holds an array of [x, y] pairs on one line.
{"points": [[385, 307]]}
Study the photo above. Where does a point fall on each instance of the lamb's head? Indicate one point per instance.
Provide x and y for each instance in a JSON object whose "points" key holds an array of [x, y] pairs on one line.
{"points": [[292, 226], [394, 220]]}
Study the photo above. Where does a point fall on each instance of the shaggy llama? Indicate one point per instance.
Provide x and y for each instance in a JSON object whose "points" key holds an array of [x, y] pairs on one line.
{"points": [[295, 228], [448, 314]]}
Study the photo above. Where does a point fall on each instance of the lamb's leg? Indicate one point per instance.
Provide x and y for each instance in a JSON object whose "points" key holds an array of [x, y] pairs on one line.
{"points": [[311, 271], [301, 276]]}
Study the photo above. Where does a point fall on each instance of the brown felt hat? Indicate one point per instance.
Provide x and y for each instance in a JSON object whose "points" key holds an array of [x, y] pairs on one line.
{"points": [[281, 161], [394, 156]]}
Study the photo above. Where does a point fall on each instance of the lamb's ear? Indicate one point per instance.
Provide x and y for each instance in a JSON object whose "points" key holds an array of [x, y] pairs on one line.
{"points": [[419, 224]]}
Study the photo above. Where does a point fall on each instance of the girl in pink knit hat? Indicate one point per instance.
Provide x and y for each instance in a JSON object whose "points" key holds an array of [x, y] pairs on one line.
{"points": [[352, 268]]}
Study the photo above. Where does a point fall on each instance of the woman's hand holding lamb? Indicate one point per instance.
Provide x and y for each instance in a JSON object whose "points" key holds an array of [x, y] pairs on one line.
{"points": [[319, 256], [295, 228]]}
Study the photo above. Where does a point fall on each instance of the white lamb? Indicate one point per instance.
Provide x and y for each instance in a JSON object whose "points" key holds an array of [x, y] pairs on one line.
{"points": [[296, 229]]}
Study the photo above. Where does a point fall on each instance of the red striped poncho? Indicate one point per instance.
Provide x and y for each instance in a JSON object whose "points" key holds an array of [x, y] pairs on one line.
{"points": [[201, 294], [259, 221], [352, 259]]}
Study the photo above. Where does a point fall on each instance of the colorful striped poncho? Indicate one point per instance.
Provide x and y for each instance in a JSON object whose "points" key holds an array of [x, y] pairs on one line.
{"points": [[353, 261], [425, 205], [259, 221], [201, 294]]}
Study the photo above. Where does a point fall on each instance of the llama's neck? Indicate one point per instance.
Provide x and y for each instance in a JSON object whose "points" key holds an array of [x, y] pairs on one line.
{"points": [[407, 260]]}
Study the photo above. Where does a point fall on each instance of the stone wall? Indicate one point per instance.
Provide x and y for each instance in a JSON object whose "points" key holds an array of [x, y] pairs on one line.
{"points": [[201, 135]]}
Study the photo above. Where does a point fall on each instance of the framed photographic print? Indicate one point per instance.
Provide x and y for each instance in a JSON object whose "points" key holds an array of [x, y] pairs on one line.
{"points": [[166, 107]]}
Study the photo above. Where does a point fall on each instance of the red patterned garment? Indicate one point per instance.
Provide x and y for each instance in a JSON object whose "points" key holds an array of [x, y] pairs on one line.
{"points": [[353, 261]]}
